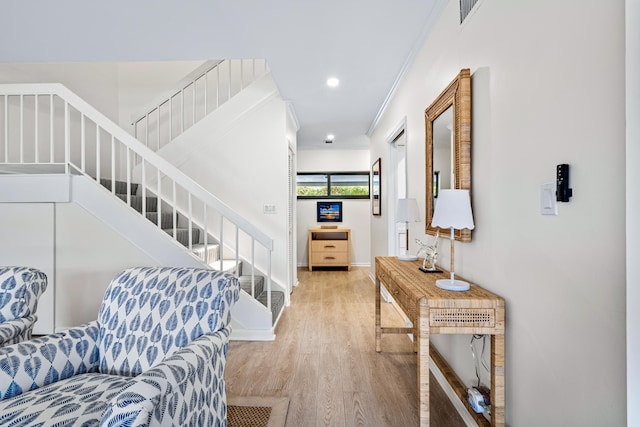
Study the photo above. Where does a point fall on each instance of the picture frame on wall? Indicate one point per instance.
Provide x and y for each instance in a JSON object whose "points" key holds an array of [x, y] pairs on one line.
{"points": [[376, 200]]}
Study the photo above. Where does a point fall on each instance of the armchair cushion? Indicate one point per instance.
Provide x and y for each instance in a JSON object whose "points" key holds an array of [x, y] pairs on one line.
{"points": [[78, 400]]}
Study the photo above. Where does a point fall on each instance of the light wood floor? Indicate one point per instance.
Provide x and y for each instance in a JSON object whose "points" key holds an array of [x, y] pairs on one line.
{"points": [[324, 359]]}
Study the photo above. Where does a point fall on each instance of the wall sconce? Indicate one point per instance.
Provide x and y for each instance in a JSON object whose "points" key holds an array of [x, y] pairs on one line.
{"points": [[453, 210]]}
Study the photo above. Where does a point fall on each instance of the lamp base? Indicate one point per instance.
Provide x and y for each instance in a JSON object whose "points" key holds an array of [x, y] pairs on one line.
{"points": [[407, 257], [457, 285]]}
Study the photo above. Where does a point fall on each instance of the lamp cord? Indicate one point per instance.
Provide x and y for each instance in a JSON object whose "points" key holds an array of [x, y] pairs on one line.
{"points": [[478, 360]]}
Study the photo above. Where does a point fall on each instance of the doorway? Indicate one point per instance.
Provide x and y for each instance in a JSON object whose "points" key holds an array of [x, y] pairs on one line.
{"points": [[397, 188]]}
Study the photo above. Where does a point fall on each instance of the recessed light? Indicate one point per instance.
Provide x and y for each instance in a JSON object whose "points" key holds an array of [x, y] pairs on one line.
{"points": [[333, 82], [331, 137]]}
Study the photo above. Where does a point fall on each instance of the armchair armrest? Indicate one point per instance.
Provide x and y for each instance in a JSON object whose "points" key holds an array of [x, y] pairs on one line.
{"points": [[191, 381], [16, 330], [45, 360]]}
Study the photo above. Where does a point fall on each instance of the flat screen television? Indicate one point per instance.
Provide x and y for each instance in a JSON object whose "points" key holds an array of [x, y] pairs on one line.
{"points": [[329, 212]]}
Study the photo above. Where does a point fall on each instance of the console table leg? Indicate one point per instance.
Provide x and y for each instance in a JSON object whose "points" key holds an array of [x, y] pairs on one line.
{"points": [[497, 380], [423, 362]]}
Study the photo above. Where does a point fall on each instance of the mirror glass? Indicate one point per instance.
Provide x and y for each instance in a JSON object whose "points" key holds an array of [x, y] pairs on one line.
{"points": [[443, 172], [448, 147]]}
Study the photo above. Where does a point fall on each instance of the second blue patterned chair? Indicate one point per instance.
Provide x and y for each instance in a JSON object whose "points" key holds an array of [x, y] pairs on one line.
{"points": [[20, 288], [155, 356]]}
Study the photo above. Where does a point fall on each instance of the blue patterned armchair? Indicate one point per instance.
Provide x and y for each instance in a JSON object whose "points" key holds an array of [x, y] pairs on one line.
{"points": [[155, 356], [20, 288]]}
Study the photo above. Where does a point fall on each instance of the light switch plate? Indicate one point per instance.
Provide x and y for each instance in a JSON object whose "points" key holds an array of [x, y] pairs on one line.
{"points": [[269, 208], [548, 203]]}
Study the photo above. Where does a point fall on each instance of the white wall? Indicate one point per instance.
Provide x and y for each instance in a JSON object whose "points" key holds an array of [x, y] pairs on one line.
{"points": [[633, 209], [357, 212], [548, 88], [140, 83], [242, 151], [117, 90], [32, 248], [78, 253], [95, 82], [88, 255]]}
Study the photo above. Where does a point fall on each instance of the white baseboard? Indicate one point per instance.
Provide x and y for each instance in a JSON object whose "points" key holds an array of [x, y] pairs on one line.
{"points": [[453, 397], [252, 335]]}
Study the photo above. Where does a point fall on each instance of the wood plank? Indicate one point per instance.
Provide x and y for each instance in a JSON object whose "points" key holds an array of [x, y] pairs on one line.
{"points": [[324, 359]]}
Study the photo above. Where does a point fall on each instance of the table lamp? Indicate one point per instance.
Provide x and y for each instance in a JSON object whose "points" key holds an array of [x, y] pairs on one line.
{"points": [[407, 211], [453, 210]]}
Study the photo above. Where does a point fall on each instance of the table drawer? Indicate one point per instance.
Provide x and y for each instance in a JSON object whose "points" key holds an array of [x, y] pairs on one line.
{"points": [[462, 317], [407, 304], [329, 246]]}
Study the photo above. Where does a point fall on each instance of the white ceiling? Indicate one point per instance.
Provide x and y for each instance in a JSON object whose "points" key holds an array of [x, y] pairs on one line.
{"points": [[365, 43]]}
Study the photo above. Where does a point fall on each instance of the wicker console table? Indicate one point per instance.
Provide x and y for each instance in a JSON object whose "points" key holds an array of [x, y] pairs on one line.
{"points": [[436, 311]]}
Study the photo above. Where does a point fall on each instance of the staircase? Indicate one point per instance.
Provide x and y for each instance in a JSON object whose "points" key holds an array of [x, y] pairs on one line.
{"points": [[191, 238], [48, 126]]}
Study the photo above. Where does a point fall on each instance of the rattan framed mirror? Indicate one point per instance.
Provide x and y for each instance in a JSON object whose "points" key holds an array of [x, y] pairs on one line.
{"points": [[448, 147]]}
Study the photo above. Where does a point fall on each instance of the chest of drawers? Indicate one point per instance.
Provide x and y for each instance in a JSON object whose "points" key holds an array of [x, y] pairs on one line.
{"points": [[329, 247]]}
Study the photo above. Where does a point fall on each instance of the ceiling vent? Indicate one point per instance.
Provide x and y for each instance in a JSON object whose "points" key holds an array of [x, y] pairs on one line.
{"points": [[465, 8]]}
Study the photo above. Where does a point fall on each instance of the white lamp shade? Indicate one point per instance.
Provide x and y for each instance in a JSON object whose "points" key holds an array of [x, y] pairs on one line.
{"points": [[453, 209], [407, 211]]}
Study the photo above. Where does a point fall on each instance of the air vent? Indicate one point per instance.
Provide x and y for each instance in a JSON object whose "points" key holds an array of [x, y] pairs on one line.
{"points": [[465, 8]]}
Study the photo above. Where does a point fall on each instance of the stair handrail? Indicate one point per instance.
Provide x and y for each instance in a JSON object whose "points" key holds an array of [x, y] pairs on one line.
{"points": [[137, 147], [200, 96], [183, 83]]}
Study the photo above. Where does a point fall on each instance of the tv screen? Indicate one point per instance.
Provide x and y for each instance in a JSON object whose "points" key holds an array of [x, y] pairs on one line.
{"points": [[329, 211]]}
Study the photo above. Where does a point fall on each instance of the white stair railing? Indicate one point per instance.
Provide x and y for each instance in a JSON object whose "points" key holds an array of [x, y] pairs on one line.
{"points": [[47, 124], [195, 96]]}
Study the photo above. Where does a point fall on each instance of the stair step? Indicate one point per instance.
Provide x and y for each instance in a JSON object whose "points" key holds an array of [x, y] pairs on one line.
{"points": [[212, 249], [166, 219], [228, 266], [277, 302], [245, 284], [136, 202], [121, 186], [182, 235]]}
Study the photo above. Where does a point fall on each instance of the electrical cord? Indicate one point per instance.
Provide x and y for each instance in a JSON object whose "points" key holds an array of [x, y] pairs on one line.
{"points": [[479, 360]]}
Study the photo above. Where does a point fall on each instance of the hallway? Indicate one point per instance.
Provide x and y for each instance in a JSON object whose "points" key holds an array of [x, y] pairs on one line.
{"points": [[324, 359]]}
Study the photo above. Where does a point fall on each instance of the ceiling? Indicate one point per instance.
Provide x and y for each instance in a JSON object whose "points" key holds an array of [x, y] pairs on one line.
{"points": [[366, 44]]}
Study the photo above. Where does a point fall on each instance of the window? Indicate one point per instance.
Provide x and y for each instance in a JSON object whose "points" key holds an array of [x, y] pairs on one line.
{"points": [[336, 185]]}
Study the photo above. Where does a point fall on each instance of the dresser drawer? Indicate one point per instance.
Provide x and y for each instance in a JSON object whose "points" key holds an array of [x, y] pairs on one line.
{"points": [[329, 246], [329, 258]]}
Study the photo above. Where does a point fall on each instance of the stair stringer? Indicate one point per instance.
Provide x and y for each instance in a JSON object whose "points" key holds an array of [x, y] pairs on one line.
{"points": [[250, 319]]}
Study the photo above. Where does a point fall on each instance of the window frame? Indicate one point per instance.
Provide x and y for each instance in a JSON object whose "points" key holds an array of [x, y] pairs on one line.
{"points": [[329, 186]]}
